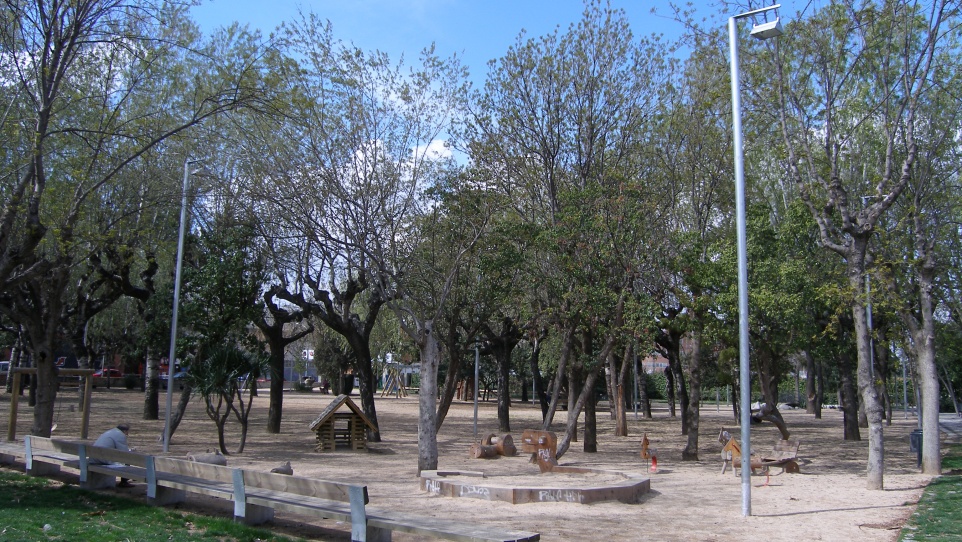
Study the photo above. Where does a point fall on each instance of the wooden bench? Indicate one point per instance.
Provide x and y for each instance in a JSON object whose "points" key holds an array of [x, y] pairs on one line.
{"points": [[44, 457], [11, 452], [255, 495]]}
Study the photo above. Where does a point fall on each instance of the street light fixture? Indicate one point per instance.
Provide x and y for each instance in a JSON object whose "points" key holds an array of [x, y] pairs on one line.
{"points": [[760, 31], [173, 320]]}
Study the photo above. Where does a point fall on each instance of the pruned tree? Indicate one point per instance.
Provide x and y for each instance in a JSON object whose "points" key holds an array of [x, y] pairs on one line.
{"points": [[853, 81]]}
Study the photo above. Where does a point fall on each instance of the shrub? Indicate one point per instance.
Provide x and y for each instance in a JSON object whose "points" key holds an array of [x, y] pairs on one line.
{"points": [[131, 381]]}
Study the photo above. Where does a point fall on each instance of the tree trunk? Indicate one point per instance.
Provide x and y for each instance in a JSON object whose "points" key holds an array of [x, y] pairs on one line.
{"points": [[849, 401], [690, 453], [367, 384], [576, 377], [643, 398], [949, 388], [670, 391], [567, 347], [427, 398], [866, 384], [571, 427], [275, 366], [502, 356], [590, 445], [178, 414], [619, 399], [534, 362], [810, 381], [924, 344], [611, 390], [453, 376], [922, 331], [819, 389], [152, 388]]}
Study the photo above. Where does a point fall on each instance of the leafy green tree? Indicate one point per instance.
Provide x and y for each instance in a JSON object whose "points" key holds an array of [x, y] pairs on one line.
{"points": [[92, 93], [558, 125], [852, 83], [216, 375]]}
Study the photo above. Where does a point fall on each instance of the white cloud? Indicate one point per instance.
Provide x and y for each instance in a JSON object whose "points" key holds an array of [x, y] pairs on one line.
{"points": [[435, 150]]}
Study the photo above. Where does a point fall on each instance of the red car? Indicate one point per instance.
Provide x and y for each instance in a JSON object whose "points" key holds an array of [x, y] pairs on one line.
{"points": [[112, 373]]}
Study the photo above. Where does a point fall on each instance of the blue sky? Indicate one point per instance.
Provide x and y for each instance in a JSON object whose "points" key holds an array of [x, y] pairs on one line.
{"points": [[479, 30]]}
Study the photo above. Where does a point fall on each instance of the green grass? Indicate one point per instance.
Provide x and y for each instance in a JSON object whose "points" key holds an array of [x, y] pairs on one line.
{"points": [[33, 509], [939, 513]]}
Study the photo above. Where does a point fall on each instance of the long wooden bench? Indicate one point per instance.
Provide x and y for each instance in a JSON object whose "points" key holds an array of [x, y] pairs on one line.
{"points": [[11, 451], [44, 457], [255, 495]]}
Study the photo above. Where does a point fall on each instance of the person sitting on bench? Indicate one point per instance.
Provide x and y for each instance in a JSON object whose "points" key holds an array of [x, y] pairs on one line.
{"points": [[115, 438]]}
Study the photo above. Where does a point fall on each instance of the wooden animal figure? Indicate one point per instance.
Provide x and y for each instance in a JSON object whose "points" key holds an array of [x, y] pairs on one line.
{"points": [[648, 454]]}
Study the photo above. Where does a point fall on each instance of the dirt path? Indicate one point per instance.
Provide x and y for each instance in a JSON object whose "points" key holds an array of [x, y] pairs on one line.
{"points": [[688, 500]]}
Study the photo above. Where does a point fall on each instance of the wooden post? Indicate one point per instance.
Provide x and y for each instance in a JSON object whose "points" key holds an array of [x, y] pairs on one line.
{"points": [[15, 397], [14, 401]]}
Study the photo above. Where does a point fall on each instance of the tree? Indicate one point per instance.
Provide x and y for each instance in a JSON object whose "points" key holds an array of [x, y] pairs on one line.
{"points": [[90, 75], [427, 259], [216, 375], [852, 81], [560, 122]]}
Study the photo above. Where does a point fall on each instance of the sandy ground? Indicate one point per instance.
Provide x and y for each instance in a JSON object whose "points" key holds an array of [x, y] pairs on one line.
{"points": [[689, 500]]}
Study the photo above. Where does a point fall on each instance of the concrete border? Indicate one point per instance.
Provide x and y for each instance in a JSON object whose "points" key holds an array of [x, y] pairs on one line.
{"points": [[628, 490]]}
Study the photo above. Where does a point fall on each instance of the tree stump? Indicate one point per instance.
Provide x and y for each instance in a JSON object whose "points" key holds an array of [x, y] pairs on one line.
{"points": [[505, 445], [482, 451]]}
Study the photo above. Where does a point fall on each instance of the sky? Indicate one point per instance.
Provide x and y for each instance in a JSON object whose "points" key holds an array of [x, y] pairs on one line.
{"points": [[479, 30]]}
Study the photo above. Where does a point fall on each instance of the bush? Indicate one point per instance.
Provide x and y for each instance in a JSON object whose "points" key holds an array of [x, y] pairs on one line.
{"points": [[131, 381], [300, 385], [656, 385]]}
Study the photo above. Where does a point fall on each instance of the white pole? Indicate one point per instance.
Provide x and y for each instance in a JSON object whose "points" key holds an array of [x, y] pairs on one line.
{"points": [[744, 369], [173, 320]]}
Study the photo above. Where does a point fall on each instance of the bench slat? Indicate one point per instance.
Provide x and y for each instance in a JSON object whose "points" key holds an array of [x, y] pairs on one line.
{"points": [[298, 504], [195, 485], [308, 487], [193, 469]]}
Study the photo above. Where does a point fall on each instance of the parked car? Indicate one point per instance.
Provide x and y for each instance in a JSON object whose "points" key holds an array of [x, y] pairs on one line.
{"points": [[178, 379], [112, 373]]}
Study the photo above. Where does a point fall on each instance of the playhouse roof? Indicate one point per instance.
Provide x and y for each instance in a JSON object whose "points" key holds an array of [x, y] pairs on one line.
{"points": [[336, 404]]}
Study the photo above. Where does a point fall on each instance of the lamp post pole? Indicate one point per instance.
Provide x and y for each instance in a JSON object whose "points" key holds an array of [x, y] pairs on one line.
{"points": [[173, 320], [477, 360], [744, 367]]}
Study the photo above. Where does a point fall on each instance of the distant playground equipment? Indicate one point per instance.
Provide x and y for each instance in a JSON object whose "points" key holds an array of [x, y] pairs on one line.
{"points": [[394, 382], [86, 379], [542, 445]]}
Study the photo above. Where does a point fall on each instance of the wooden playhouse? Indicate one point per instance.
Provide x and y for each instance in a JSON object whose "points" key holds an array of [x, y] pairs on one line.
{"points": [[342, 423]]}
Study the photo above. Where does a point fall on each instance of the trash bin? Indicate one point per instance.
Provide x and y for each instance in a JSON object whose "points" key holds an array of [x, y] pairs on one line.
{"points": [[915, 444]]}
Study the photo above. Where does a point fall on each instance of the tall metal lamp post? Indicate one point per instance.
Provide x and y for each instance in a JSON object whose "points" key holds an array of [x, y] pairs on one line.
{"points": [[761, 31], [173, 321]]}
